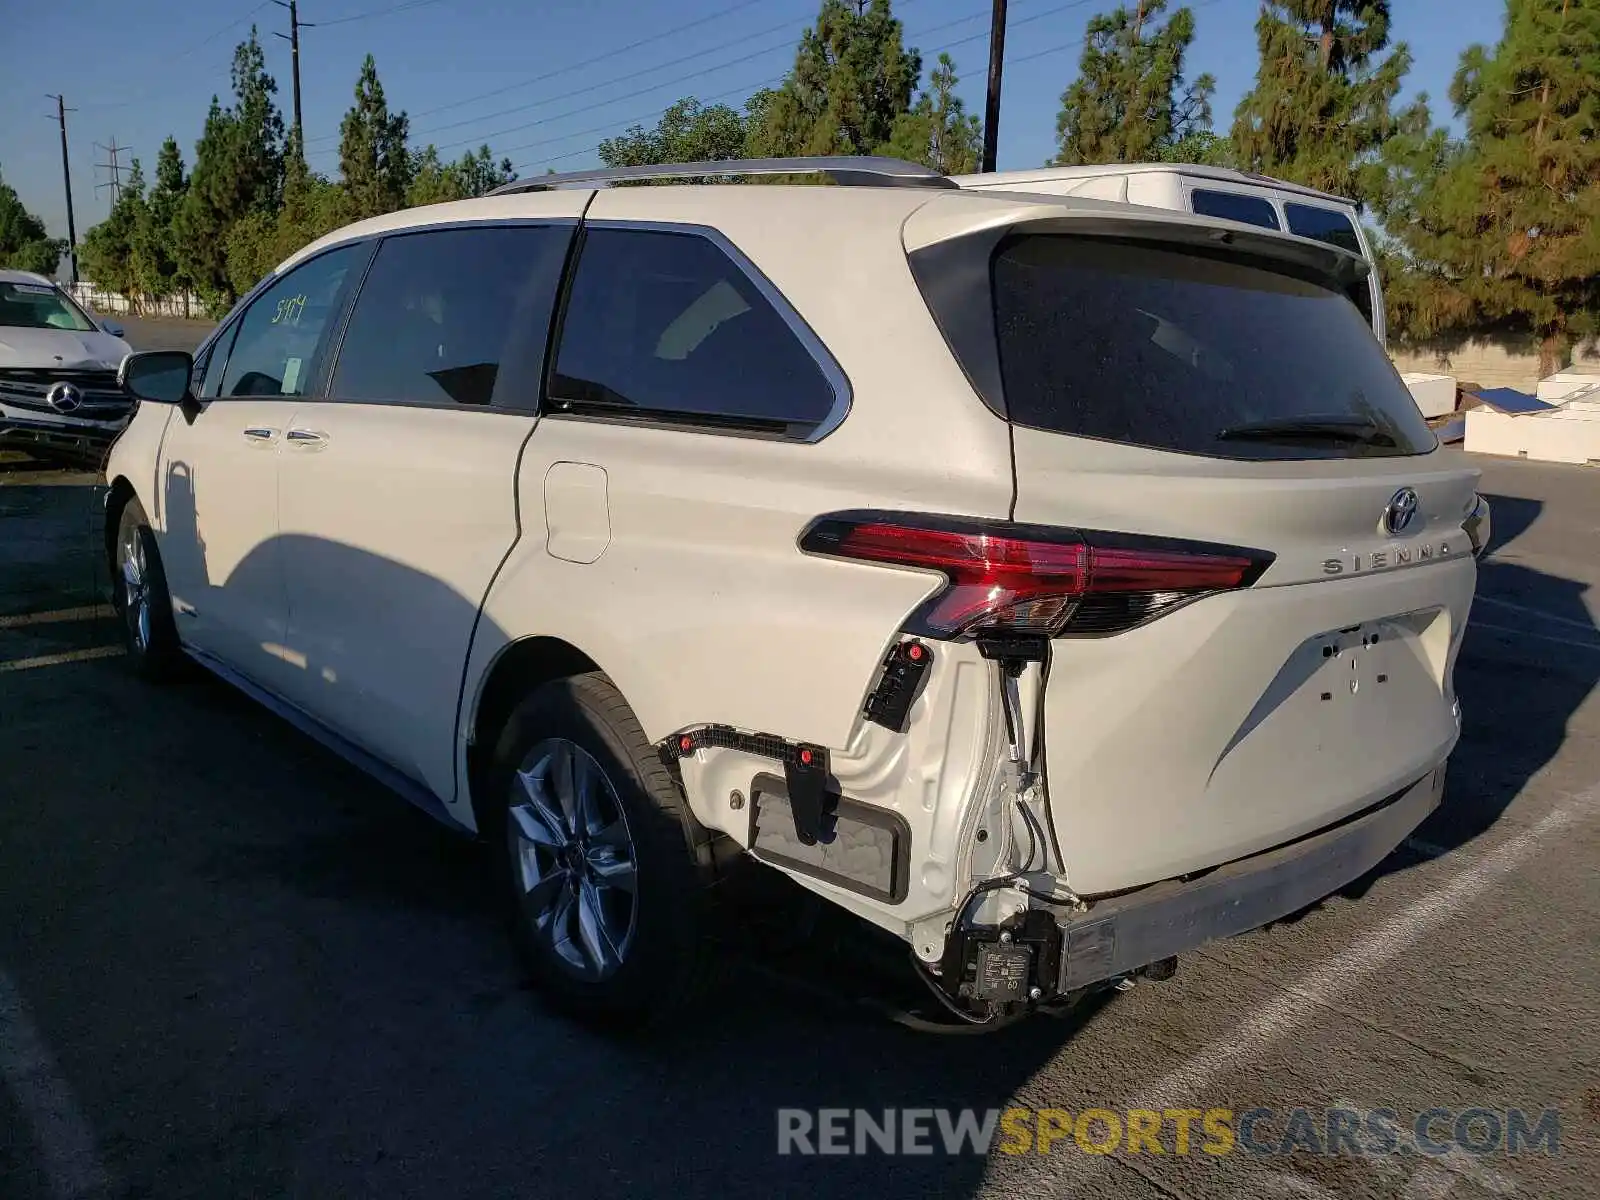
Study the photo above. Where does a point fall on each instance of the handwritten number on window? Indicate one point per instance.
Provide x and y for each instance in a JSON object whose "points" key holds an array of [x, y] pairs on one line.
{"points": [[290, 309]]}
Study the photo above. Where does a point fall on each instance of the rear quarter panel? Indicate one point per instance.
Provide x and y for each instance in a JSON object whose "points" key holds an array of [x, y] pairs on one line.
{"points": [[700, 606]]}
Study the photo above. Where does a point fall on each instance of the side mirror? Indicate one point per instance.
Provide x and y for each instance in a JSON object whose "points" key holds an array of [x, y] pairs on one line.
{"points": [[113, 329], [157, 376]]}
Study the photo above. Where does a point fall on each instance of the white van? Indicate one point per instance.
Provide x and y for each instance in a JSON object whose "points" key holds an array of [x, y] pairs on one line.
{"points": [[1212, 192]]}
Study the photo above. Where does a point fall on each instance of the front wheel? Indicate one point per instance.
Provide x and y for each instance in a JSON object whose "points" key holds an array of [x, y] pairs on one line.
{"points": [[142, 600], [596, 855]]}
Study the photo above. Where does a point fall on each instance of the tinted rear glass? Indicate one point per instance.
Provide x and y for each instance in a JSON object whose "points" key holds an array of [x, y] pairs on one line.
{"points": [[1175, 351], [1323, 224], [1232, 206]]}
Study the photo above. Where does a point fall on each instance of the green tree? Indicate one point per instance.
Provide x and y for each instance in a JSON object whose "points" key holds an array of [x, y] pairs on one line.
{"points": [[687, 132], [1499, 231], [1130, 102], [108, 257], [238, 171], [1322, 105], [938, 131], [474, 174], [312, 207], [1199, 146], [373, 158], [851, 79], [25, 244], [154, 247]]}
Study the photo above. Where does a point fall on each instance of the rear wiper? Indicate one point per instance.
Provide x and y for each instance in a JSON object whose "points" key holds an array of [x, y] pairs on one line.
{"points": [[1321, 429]]}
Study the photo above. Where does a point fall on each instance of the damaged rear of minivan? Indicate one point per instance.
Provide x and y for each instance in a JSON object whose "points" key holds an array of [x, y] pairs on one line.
{"points": [[1206, 661]]}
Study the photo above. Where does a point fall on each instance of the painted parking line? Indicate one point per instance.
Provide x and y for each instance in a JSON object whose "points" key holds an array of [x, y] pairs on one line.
{"points": [[1529, 610], [66, 656], [88, 612], [1276, 1019], [1513, 631], [60, 1133]]}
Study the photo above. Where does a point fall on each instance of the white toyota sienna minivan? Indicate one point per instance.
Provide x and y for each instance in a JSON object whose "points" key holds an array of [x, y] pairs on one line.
{"points": [[1054, 583]]}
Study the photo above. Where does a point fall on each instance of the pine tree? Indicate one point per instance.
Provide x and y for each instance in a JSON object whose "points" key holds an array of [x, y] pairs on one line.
{"points": [[108, 255], [1322, 104], [851, 79], [938, 131], [1499, 231], [373, 157], [155, 246], [1130, 102], [238, 172]]}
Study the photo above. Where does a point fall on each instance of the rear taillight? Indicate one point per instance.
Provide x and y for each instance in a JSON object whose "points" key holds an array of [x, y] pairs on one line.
{"points": [[1034, 579]]}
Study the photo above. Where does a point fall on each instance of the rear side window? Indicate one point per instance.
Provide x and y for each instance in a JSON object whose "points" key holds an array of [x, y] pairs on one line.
{"points": [[454, 317], [667, 326], [1323, 224], [1233, 206], [1172, 350]]}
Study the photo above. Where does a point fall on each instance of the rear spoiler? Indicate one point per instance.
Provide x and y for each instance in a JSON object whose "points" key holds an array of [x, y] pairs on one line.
{"points": [[941, 221]]}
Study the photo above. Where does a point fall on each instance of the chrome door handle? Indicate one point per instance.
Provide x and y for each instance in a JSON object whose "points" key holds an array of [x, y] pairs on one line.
{"points": [[305, 437], [260, 433]]}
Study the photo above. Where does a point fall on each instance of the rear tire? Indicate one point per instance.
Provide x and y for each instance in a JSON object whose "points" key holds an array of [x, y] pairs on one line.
{"points": [[595, 853], [140, 596]]}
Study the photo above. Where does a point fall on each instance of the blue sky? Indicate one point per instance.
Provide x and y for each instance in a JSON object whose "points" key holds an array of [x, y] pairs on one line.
{"points": [[543, 83]]}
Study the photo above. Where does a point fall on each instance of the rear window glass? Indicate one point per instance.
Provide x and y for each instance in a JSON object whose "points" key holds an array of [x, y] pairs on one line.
{"points": [[1232, 206], [1177, 351], [1323, 224], [664, 325]]}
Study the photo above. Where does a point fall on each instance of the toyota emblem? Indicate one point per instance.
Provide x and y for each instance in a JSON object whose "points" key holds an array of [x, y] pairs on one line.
{"points": [[1402, 508], [64, 397]]}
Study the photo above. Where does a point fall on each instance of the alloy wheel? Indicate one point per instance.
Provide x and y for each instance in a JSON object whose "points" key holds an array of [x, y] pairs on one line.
{"points": [[573, 858], [135, 588]]}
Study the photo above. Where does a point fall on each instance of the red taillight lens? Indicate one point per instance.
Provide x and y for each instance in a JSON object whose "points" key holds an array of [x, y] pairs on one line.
{"points": [[1035, 579]]}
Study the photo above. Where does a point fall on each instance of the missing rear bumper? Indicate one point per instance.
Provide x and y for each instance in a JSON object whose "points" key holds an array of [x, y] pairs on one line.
{"points": [[1120, 935]]}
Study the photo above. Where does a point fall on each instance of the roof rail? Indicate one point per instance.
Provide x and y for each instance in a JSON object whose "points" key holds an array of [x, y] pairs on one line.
{"points": [[856, 170]]}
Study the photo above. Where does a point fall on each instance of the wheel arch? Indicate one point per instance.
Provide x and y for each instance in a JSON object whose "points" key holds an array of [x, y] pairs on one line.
{"points": [[118, 494], [516, 670]]}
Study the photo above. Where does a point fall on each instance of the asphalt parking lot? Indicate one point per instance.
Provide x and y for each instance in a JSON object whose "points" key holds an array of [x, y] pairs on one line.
{"points": [[232, 966]]}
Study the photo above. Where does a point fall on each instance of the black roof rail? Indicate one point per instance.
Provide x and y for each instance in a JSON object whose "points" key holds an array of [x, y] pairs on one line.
{"points": [[854, 170]]}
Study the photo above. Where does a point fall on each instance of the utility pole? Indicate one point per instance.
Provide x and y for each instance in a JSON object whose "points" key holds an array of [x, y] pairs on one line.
{"points": [[991, 109], [115, 167], [66, 175], [293, 38]]}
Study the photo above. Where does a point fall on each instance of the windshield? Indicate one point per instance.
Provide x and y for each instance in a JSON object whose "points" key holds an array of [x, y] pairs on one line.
{"points": [[40, 306], [1171, 349]]}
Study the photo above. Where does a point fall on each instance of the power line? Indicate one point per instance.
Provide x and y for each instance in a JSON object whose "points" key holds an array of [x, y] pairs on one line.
{"points": [[747, 88], [182, 54], [577, 66], [378, 12], [680, 79], [750, 37]]}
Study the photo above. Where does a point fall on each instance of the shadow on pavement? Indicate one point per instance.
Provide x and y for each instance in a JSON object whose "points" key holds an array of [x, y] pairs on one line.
{"points": [[1519, 686], [266, 975]]}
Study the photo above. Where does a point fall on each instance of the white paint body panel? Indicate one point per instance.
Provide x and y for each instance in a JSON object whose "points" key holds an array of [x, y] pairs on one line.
{"points": [[409, 548], [390, 531]]}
